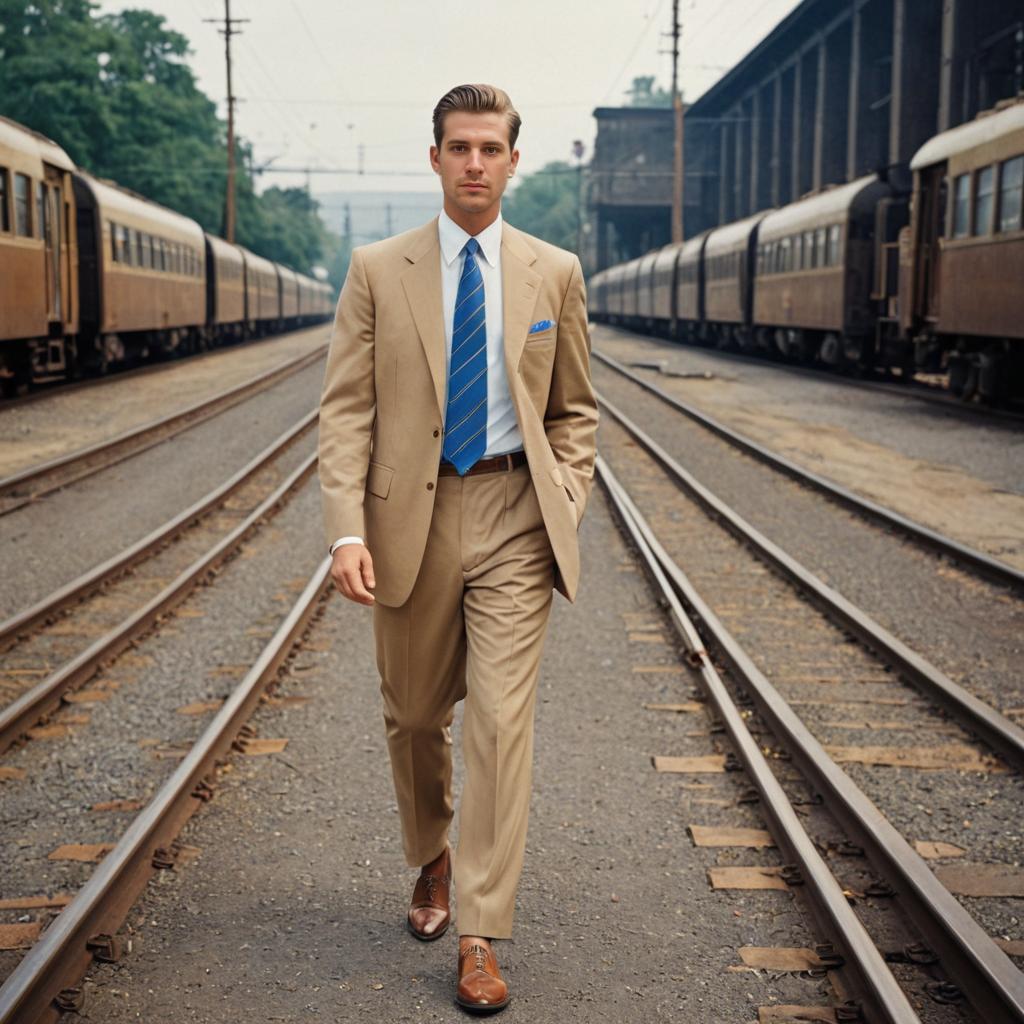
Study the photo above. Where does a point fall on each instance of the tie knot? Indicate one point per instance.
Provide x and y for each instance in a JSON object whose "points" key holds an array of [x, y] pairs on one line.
{"points": [[472, 247]]}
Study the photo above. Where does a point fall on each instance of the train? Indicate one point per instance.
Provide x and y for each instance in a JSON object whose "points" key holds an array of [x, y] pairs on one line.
{"points": [[93, 275], [872, 275]]}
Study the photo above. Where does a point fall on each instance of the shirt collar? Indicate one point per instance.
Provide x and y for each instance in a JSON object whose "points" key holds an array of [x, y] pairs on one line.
{"points": [[453, 239]]}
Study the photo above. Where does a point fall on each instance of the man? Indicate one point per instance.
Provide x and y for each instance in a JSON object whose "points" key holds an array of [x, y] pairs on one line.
{"points": [[457, 443]]}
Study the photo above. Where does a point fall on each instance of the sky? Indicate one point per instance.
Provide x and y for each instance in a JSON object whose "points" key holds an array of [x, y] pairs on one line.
{"points": [[321, 81]]}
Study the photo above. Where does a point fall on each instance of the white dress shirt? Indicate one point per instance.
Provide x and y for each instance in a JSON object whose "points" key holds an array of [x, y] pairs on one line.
{"points": [[503, 434]]}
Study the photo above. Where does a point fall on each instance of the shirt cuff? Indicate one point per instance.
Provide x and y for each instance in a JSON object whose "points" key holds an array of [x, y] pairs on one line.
{"points": [[345, 540]]}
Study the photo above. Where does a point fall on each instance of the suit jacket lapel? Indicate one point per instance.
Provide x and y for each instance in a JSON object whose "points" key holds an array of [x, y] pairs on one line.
{"points": [[519, 287], [422, 284]]}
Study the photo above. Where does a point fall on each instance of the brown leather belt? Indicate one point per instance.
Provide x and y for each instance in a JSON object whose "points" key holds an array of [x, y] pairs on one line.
{"points": [[495, 464]]}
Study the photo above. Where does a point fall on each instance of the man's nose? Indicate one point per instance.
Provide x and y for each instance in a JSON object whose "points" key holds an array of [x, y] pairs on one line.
{"points": [[475, 163]]}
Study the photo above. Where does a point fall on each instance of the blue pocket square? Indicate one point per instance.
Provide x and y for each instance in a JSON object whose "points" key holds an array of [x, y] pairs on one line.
{"points": [[540, 325]]}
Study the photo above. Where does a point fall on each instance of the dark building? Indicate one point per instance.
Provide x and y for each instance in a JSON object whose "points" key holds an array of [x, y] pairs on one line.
{"points": [[838, 89], [629, 186]]}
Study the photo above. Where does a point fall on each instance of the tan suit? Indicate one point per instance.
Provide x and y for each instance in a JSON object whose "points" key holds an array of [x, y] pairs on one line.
{"points": [[464, 566]]}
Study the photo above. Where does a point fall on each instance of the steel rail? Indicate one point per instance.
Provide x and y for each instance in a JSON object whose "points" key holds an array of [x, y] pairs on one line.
{"points": [[48, 694], [873, 981], [977, 965], [55, 965], [995, 729], [21, 488], [983, 563], [67, 594]]}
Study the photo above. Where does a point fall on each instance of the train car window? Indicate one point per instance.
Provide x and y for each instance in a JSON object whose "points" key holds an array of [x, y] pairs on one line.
{"points": [[112, 231], [1011, 193], [833, 245], [21, 205], [961, 206], [984, 200], [41, 224], [798, 252], [820, 252], [5, 213], [808, 250], [787, 254]]}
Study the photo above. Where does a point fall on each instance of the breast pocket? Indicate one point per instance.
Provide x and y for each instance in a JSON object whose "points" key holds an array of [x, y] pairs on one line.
{"points": [[540, 337], [378, 479]]}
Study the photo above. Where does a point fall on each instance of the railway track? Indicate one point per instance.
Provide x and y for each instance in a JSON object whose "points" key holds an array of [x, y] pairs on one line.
{"points": [[117, 601], [27, 485], [46, 982], [978, 561], [814, 684], [114, 613]]}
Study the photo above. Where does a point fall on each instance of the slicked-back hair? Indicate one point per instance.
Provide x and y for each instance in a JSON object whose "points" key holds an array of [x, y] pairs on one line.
{"points": [[477, 99]]}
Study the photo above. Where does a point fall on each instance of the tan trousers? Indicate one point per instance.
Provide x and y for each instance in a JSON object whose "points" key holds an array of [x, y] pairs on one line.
{"points": [[473, 628]]}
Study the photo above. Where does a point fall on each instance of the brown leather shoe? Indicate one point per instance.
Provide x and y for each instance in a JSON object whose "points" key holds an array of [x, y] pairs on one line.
{"points": [[481, 986], [431, 891]]}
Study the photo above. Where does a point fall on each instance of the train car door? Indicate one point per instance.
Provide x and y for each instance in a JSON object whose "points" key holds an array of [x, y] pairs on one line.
{"points": [[50, 206], [931, 227]]}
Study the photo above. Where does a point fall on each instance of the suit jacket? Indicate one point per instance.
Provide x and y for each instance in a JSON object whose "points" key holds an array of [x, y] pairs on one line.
{"points": [[384, 395]]}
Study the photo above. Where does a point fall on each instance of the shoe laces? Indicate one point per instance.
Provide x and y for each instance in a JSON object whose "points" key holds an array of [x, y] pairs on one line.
{"points": [[480, 955]]}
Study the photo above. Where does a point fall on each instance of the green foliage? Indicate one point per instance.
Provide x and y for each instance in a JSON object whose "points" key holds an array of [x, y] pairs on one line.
{"points": [[644, 93], [546, 204], [116, 92]]}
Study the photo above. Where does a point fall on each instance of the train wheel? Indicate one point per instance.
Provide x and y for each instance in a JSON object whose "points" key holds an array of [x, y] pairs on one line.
{"points": [[831, 350], [15, 370], [959, 370]]}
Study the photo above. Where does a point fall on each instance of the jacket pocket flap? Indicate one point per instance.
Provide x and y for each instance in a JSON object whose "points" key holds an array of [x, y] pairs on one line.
{"points": [[378, 479]]}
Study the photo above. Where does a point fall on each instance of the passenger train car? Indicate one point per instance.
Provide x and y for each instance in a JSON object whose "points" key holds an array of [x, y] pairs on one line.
{"points": [[861, 274], [92, 274]]}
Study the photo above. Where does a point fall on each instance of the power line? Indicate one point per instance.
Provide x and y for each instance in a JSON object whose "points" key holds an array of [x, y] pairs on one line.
{"points": [[651, 19]]}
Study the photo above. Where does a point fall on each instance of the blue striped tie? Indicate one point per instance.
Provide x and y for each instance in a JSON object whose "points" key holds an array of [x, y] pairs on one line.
{"points": [[465, 432]]}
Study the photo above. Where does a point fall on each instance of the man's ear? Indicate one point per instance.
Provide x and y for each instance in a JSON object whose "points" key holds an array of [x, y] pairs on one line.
{"points": [[435, 159]]}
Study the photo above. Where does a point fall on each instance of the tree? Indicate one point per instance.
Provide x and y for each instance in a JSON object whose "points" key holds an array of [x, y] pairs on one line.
{"points": [[545, 204], [117, 93], [643, 93]]}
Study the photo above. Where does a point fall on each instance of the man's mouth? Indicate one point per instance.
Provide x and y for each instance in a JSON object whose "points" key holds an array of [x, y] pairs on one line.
{"points": [[474, 184]]}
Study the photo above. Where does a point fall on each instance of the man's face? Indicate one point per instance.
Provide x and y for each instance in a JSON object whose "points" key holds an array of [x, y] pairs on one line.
{"points": [[474, 160]]}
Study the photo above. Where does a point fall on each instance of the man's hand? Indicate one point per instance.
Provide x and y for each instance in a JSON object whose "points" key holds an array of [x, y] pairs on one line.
{"points": [[352, 571]]}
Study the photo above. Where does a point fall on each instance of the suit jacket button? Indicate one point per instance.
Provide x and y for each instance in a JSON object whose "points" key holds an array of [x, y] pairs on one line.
{"points": [[437, 433], [430, 487]]}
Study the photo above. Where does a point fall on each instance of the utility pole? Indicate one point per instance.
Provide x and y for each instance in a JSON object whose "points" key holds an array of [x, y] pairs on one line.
{"points": [[578, 149], [677, 107], [227, 32]]}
